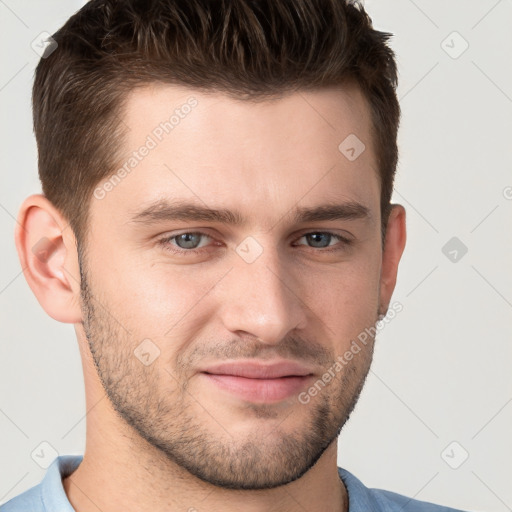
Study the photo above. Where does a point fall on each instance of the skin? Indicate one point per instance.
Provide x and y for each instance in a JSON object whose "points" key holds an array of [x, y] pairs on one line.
{"points": [[159, 437]]}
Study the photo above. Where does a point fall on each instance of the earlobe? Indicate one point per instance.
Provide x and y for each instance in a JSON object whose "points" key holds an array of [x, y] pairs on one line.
{"points": [[393, 248], [47, 252]]}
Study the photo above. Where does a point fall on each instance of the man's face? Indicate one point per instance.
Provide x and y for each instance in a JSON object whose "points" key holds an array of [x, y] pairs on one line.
{"points": [[160, 311]]}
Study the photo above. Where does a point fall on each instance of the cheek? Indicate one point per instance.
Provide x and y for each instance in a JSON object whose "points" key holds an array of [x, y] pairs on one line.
{"points": [[154, 298], [346, 298], [161, 301]]}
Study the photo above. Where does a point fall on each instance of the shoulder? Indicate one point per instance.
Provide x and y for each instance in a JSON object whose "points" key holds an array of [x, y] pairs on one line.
{"points": [[392, 501], [49, 495], [30, 500], [362, 499]]}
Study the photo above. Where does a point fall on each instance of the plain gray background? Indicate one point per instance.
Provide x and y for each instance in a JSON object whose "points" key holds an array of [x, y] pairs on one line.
{"points": [[440, 388]]}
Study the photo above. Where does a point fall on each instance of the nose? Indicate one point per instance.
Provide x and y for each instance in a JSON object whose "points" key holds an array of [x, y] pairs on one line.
{"points": [[261, 299]]}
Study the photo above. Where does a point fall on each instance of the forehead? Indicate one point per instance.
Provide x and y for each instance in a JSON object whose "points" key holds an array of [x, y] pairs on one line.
{"points": [[325, 115], [266, 156]]}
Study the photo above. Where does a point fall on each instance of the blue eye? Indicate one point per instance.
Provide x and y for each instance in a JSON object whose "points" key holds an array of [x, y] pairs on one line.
{"points": [[188, 240], [322, 237], [191, 242], [185, 243]]}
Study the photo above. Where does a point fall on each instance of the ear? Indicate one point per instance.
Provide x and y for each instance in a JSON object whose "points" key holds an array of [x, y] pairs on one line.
{"points": [[48, 255], [394, 245]]}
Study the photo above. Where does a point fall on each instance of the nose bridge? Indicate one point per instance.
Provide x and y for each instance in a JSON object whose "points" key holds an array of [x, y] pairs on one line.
{"points": [[258, 296]]}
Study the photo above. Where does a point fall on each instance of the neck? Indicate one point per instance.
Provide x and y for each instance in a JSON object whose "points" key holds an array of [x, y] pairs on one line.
{"points": [[117, 476]]}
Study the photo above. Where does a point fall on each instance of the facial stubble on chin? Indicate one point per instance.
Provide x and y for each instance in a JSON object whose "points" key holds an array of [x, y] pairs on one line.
{"points": [[167, 421]]}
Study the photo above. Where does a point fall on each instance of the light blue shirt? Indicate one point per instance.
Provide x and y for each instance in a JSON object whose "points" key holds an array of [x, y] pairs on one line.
{"points": [[49, 495]]}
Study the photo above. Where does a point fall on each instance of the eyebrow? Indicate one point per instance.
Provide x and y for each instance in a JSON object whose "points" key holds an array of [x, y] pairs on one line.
{"points": [[177, 210]]}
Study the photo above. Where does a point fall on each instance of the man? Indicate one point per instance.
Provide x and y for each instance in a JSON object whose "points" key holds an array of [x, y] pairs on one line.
{"points": [[216, 223]]}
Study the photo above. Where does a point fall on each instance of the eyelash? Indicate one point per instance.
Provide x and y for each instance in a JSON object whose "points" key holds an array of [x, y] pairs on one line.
{"points": [[165, 242]]}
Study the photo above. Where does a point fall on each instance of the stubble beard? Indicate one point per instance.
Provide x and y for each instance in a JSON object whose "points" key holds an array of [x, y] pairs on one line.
{"points": [[166, 415]]}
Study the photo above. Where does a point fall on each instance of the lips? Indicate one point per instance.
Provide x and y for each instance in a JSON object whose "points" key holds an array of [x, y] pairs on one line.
{"points": [[253, 370], [259, 382]]}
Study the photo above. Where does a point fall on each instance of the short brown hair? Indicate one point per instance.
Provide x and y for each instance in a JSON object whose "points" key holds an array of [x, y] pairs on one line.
{"points": [[247, 49]]}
